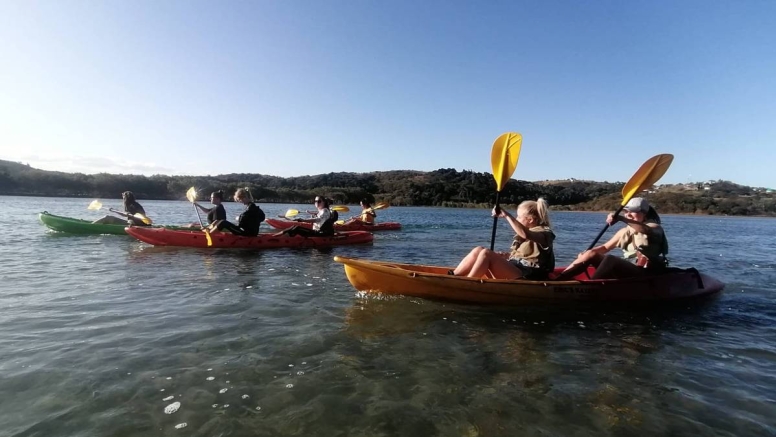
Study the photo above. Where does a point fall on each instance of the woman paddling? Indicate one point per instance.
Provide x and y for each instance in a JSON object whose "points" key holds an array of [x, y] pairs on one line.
{"points": [[131, 207], [643, 242], [532, 256], [367, 216], [323, 222]]}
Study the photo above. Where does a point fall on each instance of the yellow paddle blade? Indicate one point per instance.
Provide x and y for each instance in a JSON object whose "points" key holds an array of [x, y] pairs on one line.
{"points": [[291, 212], [381, 205], [95, 205], [207, 236], [339, 222], [340, 208], [191, 194], [649, 173], [503, 157], [143, 218]]}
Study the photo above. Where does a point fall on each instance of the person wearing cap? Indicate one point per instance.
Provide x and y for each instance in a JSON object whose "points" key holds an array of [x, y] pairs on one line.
{"points": [[643, 242]]}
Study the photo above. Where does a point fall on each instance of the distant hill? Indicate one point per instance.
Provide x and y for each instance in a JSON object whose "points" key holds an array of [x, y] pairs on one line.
{"points": [[443, 187]]}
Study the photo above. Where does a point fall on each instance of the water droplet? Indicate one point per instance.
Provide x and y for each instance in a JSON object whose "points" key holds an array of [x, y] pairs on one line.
{"points": [[215, 405], [173, 407], [209, 370], [300, 373], [258, 408], [168, 398], [304, 362], [181, 425], [245, 396], [289, 385], [226, 405], [169, 377], [290, 365], [210, 378], [223, 390]]}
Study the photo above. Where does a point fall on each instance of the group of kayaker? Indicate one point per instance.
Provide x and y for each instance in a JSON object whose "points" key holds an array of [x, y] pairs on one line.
{"points": [[532, 256], [643, 242], [249, 221]]}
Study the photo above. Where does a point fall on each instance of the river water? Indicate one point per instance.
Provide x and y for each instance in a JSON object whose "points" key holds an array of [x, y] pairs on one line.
{"points": [[107, 336]]}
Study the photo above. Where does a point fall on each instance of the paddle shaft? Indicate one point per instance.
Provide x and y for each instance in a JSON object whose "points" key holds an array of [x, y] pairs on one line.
{"points": [[495, 223], [201, 225], [600, 234]]}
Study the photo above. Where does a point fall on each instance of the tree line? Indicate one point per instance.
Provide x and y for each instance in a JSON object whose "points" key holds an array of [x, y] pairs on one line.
{"points": [[443, 187]]}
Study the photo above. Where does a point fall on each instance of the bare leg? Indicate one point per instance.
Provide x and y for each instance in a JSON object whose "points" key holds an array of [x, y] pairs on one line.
{"points": [[465, 266], [499, 267]]}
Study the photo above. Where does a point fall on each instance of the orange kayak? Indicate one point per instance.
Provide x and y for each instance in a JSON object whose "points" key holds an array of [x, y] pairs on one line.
{"points": [[434, 283], [166, 237]]}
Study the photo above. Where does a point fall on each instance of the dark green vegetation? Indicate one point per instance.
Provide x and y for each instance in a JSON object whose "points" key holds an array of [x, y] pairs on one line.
{"points": [[443, 187]]}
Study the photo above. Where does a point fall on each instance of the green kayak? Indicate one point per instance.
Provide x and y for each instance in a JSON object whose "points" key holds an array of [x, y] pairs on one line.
{"points": [[85, 227]]}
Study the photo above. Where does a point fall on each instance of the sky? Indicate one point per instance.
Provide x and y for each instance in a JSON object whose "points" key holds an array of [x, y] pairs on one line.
{"points": [[303, 87]]}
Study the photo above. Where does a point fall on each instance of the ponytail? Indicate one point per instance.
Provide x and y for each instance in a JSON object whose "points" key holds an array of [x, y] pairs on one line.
{"points": [[538, 208], [244, 193]]}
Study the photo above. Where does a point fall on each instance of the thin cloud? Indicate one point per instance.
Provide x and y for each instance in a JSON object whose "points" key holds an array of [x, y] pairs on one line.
{"points": [[90, 164]]}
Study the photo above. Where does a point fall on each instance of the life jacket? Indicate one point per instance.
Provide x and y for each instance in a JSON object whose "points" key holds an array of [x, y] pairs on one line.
{"points": [[327, 228], [532, 254], [649, 254], [368, 216]]}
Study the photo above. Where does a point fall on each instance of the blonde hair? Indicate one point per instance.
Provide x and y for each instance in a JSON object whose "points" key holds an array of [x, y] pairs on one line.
{"points": [[539, 209], [244, 193]]}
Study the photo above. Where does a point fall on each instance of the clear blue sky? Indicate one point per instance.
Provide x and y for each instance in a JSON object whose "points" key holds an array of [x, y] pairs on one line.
{"points": [[289, 87]]}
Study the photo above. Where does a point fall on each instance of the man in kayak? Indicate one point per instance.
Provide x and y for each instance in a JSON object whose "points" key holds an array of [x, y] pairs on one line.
{"points": [[323, 222], [248, 222], [367, 216], [131, 207], [532, 256], [643, 242]]}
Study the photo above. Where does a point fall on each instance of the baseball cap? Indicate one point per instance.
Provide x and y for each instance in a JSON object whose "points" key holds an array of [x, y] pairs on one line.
{"points": [[637, 204]]}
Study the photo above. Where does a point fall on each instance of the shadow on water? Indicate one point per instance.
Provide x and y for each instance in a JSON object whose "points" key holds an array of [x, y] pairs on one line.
{"points": [[370, 316]]}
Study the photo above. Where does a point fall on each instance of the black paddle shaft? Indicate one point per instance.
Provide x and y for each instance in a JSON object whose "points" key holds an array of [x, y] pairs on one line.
{"points": [[495, 222], [600, 234]]}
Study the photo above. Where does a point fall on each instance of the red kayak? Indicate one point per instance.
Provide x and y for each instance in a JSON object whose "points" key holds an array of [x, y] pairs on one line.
{"points": [[354, 226], [166, 237]]}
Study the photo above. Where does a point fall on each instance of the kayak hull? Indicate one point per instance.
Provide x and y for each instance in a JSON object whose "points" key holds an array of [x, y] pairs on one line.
{"points": [[167, 237], [434, 283], [355, 226], [76, 226]]}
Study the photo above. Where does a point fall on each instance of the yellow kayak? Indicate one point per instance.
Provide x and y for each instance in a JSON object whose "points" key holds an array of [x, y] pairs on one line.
{"points": [[433, 282]]}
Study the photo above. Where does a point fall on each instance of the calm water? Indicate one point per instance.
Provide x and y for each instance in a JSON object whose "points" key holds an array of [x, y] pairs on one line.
{"points": [[104, 335]]}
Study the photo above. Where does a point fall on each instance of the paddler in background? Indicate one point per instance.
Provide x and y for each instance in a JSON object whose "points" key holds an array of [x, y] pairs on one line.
{"points": [[131, 207], [367, 216]]}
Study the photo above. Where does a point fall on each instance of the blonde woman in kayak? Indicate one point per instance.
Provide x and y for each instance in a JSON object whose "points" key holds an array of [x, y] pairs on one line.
{"points": [[643, 242], [532, 255]]}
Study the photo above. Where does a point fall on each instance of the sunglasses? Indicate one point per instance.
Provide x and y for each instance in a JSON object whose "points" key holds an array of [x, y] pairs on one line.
{"points": [[318, 200]]}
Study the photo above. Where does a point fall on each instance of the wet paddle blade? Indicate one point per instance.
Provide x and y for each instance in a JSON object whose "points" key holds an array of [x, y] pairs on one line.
{"points": [[339, 222], [649, 173], [143, 218], [291, 213], [504, 156], [381, 205], [340, 208], [95, 205], [191, 194]]}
